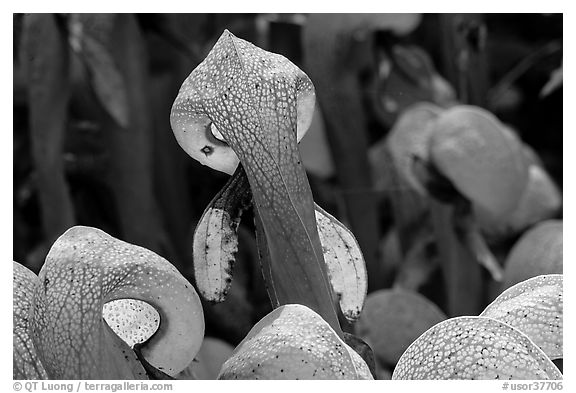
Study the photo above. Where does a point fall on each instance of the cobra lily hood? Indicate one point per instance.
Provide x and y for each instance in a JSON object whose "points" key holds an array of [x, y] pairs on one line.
{"points": [[249, 105], [90, 278], [206, 103]]}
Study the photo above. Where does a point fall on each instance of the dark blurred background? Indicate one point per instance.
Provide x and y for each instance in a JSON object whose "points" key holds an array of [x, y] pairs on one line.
{"points": [[93, 144]]}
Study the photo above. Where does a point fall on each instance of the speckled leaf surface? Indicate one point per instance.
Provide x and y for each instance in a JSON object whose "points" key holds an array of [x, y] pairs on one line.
{"points": [[134, 321], [214, 247], [474, 348], [345, 263], [259, 101], [293, 342], [215, 240], [535, 307], [26, 364], [87, 268], [393, 318]]}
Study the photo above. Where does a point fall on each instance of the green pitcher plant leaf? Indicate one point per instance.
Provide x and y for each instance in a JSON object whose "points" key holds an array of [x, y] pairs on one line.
{"points": [[474, 348], [293, 342], [265, 260], [92, 304], [243, 103], [534, 307], [26, 364]]}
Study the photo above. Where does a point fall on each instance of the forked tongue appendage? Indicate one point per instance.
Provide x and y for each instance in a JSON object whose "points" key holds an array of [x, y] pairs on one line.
{"points": [[215, 242]]}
